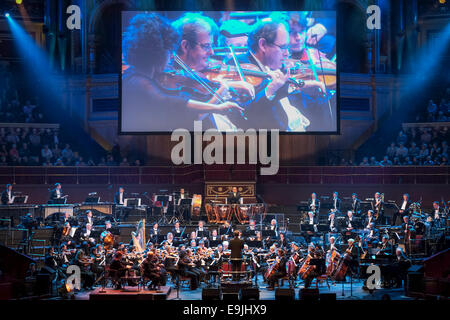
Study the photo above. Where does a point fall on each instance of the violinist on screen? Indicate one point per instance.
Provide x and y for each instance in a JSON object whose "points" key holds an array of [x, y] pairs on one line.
{"points": [[148, 43]]}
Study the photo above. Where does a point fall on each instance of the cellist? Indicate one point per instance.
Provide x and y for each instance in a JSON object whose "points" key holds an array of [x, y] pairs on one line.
{"points": [[277, 270]]}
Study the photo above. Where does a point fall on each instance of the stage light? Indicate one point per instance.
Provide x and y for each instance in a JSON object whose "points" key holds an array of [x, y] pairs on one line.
{"points": [[442, 1], [7, 15], [19, 1]]}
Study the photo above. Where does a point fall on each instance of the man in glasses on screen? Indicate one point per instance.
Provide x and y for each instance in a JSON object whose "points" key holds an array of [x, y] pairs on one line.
{"points": [[268, 44], [194, 52]]}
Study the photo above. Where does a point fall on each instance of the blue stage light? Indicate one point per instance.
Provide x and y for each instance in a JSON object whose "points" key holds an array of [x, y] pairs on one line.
{"points": [[7, 15]]}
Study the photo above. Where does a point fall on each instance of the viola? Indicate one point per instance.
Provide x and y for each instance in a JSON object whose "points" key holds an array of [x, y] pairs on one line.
{"points": [[300, 70]]}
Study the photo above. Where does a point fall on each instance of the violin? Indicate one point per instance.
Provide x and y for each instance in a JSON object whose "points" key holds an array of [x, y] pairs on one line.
{"points": [[301, 71], [251, 73]]}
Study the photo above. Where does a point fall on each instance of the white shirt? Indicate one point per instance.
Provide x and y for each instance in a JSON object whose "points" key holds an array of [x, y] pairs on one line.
{"points": [[10, 197], [403, 205], [58, 193], [121, 198], [311, 220]]}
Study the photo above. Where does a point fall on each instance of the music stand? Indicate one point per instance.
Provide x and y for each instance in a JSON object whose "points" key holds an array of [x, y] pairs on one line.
{"points": [[184, 205], [92, 200], [58, 201], [132, 202], [164, 200], [19, 199], [307, 227]]}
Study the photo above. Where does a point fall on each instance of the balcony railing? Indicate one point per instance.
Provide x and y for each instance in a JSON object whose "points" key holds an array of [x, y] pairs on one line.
{"points": [[201, 173]]}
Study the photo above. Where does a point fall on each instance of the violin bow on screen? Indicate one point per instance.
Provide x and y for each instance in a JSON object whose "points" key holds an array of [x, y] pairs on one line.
{"points": [[196, 78]]}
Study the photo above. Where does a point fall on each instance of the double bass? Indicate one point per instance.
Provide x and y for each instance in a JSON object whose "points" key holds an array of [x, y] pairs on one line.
{"points": [[306, 267], [341, 270]]}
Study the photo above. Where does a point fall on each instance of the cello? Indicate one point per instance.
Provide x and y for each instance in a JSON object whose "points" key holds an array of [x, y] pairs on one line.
{"points": [[344, 262]]}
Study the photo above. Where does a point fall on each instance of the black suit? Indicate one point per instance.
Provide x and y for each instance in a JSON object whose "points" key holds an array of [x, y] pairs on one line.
{"points": [[236, 245], [250, 233], [317, 204], [356, 206], [117, 198], [234, 198], [338, 204], [54, 195], [399, 214], [261, 112], [154, 235], [379, 210], [5, 197], [178, 234]]}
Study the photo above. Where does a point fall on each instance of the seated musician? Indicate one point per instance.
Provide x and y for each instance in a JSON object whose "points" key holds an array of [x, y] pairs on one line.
{"points": [[88, 218], [356, 204], [234, 197], [84, 262], [154, 233], [438, 215], [201, 232], [355, 254], [177, 232], [214, 236], [378, 207], [369, 219], [349, 221], [66, 255], [311, 219], [336, 202], [118, 269], [403, 210], [67, 233], [192, 236], [66, 218], [195, 48], [56, 193], [86, 234], [184, 269], [169, 240], [407, 228], [332, 222], [385, 247], [119, 197], [274, 227], [250, 231], [314, 203], [332, 244], [373, 235], [268, 48], [225, 231], [108, 225], [282, 242], [279, 269], [152, 269], [183, 195], [401, 266], [97, 261], [7, 195]]}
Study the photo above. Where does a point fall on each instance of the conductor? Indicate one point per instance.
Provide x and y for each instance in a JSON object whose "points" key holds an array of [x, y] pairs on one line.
{"points": [[236, 246]]}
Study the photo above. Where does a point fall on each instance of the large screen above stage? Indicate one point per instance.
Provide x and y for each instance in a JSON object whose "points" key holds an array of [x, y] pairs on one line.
{"points": [[229, 71]]}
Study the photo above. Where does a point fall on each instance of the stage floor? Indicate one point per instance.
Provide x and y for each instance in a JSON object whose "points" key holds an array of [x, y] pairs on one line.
{"points": [[343, 292]]}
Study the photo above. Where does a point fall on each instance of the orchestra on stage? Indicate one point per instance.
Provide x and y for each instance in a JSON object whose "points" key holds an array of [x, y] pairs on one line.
{"points": [[334, 239]]}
